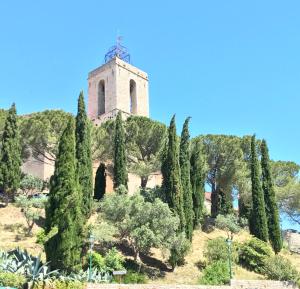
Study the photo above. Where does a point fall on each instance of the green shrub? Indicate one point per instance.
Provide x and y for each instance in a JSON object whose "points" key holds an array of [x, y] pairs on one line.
{"points": [[57, 284], [135, 278], [41, 237], [279, 268], [98, 261], [217, 250], [217, 273], [254, 254], [12, 280], [113, 260]]}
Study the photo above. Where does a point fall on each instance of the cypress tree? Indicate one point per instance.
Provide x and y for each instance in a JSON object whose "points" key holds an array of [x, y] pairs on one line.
{"points": [[197, 183], [185, 169], [100, 182], [258, 219], [171, 175], [10, 154], [270, 200], [120, 164], [63, 211], [84, 156]]}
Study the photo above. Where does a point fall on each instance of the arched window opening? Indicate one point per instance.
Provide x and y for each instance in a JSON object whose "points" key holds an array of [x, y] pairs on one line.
{"points": [[101, 97], [133, 99]]}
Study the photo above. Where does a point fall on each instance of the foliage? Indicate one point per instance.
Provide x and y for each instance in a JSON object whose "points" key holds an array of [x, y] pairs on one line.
{"points": [[150, 194], [170, 169], [30, 184], [40, 134], [228, 223], [283, 172], [113, 260], [254, 254], [179, 248], [58, 284], [100, 182], [225, 161], [217, 249], [94, 276], [279, 268], [104, 232], [29, 210], [120, 163], [63, 209], [41, 237], [98, 261], [289, 200], [198, 176], [144, 141], [185, 170], [132, 277], [10, 155], [258, 219], [216, 273], [84, 157], [272, 211], [142, 224], [9, 279]]}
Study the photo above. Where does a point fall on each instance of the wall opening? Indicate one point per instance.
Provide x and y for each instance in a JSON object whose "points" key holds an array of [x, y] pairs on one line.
{"points": [[101, 97], [133, 98]]}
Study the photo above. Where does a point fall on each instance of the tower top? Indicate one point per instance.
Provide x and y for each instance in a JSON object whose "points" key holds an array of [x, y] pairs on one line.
{"points": [[118, 50]]}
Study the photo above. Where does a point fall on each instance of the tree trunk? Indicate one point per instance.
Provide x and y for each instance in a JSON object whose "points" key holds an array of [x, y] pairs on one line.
{"points": [[144, 181]]}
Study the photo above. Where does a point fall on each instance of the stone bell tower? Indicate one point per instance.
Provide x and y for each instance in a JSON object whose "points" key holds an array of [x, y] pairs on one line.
{"points": [[117, 86]]}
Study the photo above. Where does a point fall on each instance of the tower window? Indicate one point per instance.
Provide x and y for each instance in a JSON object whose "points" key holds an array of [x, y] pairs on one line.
{"points": [[133, 98], [101, 97]]}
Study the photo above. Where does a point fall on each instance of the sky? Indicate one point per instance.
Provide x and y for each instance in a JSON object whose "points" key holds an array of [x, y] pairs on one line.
{"points": [[232, 66]]}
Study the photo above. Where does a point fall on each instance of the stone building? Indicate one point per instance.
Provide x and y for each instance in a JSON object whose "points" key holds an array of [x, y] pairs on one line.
{"points": [[115, 86]]}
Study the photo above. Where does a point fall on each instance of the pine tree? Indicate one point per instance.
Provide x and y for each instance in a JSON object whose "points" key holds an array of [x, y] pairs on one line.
{"points": [[171, 175], [198, 183], [120, 164], [258, 219], [84, 156], [100, 182], [10, 154], [270, 200], [185, 169], [63, 211]]}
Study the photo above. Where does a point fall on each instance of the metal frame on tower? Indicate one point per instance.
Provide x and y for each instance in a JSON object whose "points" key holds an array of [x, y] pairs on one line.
{"points": [[119, 51]]}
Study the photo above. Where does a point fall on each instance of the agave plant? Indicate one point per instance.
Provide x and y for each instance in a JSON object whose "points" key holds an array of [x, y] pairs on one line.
{"points": [[85, 276]]}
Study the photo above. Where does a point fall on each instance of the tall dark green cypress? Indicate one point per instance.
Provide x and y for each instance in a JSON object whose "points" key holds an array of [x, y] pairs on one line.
{"points": [[185, 170], [198, 183], [10, 154], [120, 163], [100, 182], [171, 175], [270, 200], [258, 219], [84, 156], [63, 210]]}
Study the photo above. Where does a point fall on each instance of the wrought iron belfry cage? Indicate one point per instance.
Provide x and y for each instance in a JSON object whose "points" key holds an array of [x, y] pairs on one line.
{"points": [[117, 50]]}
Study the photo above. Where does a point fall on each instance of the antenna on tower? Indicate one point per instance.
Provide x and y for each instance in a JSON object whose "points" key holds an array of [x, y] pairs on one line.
{"points": [[117, 50]]}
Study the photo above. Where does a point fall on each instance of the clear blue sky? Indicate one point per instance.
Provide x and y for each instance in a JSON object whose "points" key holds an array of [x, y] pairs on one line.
{"points": [[233, 66]]}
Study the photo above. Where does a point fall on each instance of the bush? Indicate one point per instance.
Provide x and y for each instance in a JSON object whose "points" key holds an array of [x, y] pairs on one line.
{"points": [[279, 268], [228, 223], [216, 273], [135, 278], [98, 261], [113, 260], [12, 280], [217, 250], [254, 254], [179, 249], [41, 237]]}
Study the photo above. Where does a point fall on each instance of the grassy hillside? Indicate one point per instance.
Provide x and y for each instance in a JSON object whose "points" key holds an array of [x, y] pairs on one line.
{"points": [[12, 224]]}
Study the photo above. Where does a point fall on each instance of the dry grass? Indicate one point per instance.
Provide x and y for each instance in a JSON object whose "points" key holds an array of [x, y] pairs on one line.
{"points": [[12, 224]]}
